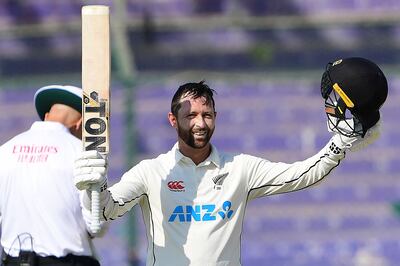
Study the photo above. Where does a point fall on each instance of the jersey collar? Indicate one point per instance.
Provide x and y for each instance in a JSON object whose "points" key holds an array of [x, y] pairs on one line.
{"points": [[40, 125], [212, 158]]}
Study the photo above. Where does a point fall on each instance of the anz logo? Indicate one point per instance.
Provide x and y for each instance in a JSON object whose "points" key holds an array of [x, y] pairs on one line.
{"points": [[201, 213]]}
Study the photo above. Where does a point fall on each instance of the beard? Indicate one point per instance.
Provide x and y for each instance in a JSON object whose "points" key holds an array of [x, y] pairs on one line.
{"points": [[193, 141]]}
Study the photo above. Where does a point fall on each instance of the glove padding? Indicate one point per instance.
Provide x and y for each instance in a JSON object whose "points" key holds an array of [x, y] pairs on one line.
{"points": [[356, 143], [90, 169]]}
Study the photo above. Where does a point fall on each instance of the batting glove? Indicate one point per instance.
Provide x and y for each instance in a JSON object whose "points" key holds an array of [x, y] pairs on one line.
{"points": [[90, 170], [357, 143]]}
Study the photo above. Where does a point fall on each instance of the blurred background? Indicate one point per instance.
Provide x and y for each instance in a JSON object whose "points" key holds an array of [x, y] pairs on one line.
{"points": [[265, 59]]}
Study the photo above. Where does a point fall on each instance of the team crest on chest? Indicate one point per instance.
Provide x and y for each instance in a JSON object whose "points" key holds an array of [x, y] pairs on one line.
{"points": [[219, 180]]}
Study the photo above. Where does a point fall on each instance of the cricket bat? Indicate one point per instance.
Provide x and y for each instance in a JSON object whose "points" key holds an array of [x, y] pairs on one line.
{"points": [[96, 89]]}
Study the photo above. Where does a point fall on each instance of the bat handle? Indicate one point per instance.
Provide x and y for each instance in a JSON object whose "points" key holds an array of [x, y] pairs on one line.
{"points": [[95, 222]]}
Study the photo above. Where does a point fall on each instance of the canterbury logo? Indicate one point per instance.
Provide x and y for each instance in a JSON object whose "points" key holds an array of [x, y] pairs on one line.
{"points": [[176, 186]]}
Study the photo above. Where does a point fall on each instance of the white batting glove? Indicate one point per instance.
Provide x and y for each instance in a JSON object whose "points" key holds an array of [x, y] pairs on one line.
{"points": [[357, 143], [90, 169]]}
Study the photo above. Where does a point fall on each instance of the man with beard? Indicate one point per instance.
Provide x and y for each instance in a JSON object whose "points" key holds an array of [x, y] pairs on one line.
{"points": [[194, 197]]}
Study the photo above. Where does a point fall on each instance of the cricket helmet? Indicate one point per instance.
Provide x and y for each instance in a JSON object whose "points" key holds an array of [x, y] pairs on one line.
{"points": [[354, 90]]}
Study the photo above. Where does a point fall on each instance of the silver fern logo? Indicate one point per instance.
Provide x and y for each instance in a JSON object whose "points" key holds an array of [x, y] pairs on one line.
{"points": [[219, 180]]}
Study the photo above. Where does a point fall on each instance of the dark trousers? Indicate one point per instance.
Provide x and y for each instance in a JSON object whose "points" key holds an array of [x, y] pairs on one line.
{"points": [[34, 260]]}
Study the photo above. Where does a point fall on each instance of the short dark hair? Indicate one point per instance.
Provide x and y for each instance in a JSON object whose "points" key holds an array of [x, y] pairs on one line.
{"points": [[195, 90]]}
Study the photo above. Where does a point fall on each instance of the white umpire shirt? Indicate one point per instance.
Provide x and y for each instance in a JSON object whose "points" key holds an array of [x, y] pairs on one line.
{"points": [[38, 196], [194, 213]]}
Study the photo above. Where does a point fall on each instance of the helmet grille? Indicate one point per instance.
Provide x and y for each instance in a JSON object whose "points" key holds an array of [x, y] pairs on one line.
{"points": [[340, 118]]}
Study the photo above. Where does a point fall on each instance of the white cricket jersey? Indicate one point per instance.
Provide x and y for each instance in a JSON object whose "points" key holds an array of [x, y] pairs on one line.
{"points": [[38, 195], [194, 213]]}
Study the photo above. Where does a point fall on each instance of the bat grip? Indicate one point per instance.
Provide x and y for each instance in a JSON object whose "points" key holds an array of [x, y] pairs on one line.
{"points": [[95, 219]]}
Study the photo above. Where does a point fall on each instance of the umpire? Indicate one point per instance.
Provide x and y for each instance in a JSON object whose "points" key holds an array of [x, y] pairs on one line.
{"points": [[42, 222]]}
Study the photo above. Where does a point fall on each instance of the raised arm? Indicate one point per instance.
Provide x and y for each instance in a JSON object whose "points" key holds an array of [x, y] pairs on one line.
{"points": [[91, 169]]}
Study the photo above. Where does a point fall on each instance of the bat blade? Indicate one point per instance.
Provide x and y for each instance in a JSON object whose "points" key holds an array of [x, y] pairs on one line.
{"points": [[96, 89]]}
